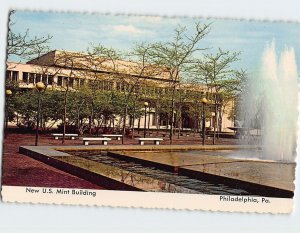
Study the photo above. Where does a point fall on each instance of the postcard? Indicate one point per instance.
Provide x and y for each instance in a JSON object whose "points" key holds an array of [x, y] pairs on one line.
{"points": [[150, 111]]}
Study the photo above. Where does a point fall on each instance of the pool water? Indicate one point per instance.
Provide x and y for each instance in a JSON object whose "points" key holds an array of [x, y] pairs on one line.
{"points": [[199, 186]]}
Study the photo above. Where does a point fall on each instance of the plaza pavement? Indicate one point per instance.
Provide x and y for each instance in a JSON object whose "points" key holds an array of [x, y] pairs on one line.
{"points": [[21, 170]]}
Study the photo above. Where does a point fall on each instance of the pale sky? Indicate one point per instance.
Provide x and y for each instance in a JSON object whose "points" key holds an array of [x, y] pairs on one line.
{"points": [[74, 32]]}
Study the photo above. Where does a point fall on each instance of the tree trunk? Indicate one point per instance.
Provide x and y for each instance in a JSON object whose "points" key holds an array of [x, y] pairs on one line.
{"points": [[220, 121], [78, 121], [195, 125], [124, 124], [91, 118], [157, 123], [139, 125], [64, 118], [215, 124], [133, 120], [172, 114], [149, 115], [179, 127]]}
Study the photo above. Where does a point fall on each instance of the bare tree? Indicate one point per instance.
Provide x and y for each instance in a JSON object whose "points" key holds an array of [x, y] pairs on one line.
{"points": [[215, 70], [99, 67], [64, 66], [137, 76], [24, 46], [177, 56]]}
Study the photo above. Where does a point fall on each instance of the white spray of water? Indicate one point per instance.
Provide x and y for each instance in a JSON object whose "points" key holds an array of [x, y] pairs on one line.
{"points": [[271, 104]]}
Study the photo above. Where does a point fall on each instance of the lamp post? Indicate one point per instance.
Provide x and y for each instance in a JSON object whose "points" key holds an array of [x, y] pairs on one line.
{"points": [[40, 87], [7, 94], [145, 105], [174, 122], [204, 102], [149, 118]]}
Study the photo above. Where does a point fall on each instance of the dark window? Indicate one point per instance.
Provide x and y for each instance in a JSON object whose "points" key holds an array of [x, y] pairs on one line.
{"points": [[38, 78], [25, 77], [123, 88], [77, 83], [44, 79], [152, 90], [97, 84], [118, 86], [160, 90], [154, 119], [15, 76], [91, 83], [213, 121], [8, 75], [59, 80], [50, 79], [136, 90], [71, 82], [65, 81], [31, 78], [102, 85], [81, 82], [110, 86]]}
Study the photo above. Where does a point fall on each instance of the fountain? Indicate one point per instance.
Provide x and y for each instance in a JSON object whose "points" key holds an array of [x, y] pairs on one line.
{"points": [[269, 118], [270, 106]]}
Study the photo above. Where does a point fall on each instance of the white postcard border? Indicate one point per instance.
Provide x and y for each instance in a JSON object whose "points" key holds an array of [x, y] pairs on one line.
{"points": [[136, 199]]}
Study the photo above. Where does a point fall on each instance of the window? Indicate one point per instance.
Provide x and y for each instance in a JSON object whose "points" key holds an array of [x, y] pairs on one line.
{"points": [[118, 86], [99, 85], [59, 80], [71, 82], [31, 78], [213, 119], [76, 82], [81, 82], [50, 79], [65, 81], [108, 85], [12, 75], [25, 77], [44, 79], [136, 89], [159, 90], [8, 75], [91, 84], [15, 76], [123, 87], [38, 78], [154, 119], [111, 84]]}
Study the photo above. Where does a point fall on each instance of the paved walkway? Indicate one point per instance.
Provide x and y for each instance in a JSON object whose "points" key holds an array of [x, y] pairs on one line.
{"points": [[20, 170]]}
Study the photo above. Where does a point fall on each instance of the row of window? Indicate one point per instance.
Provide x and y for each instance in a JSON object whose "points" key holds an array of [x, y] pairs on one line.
{"points": [[62, 81], [12, 76], [33, 78], [101, 85], [147, 90]]}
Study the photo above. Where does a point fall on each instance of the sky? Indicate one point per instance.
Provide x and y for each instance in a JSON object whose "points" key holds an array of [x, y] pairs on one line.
{"points": [[75, 31]]}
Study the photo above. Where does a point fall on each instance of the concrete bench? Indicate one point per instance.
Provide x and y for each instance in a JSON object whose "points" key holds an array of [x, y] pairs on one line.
{"points": [[103, 140], [186, 134], [155, 140], [67, 135], [116, 136]]}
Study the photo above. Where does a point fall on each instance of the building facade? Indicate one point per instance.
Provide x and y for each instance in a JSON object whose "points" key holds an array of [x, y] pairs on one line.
{"points": [[62, 70]]}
